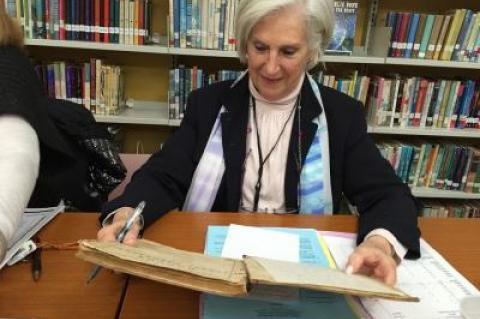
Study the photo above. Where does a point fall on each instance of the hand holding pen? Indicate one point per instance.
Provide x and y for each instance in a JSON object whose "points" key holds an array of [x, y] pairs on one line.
{"points": [[116, 221], [124, 228]]}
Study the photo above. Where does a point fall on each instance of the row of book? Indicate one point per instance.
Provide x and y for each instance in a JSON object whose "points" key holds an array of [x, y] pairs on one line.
{"points": [[355, 86], [423, 103], [94, 84], [435, 165], [207, 24], [450, 37], [445, 208], [184, 80], [109, 21], [411, 101]]}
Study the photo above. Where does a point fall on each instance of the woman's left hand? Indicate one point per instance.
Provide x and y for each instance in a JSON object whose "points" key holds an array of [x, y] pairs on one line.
{"points": [[374, 257]]}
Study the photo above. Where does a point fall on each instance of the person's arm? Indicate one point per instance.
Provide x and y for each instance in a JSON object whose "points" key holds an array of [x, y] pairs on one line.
{"points": [[162, 182], [383, 202], [371, 184], [19, 164]]}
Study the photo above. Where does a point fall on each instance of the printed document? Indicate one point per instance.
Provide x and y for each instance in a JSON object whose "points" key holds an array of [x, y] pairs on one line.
{"points": [[261, 242], [431, 278]]}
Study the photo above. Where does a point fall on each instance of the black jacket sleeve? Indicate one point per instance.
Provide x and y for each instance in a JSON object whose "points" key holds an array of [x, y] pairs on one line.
{"points": [[371, 184], [163, 181]]}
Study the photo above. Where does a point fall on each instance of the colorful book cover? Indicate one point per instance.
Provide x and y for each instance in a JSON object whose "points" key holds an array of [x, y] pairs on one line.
{"points": [[344, 32]]}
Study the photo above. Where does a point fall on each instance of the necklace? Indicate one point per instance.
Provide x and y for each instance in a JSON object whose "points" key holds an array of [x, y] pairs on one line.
{"points": [[261, 160]]}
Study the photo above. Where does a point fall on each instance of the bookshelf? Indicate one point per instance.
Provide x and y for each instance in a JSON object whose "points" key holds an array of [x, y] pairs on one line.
{"points": [[424, 192], [465, 133], [146, 68]]}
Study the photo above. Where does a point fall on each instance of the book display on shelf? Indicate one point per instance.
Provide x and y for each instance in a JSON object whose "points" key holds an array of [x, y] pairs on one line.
{"points": [[184, 80], [206, 24], [94, 84], [441, 166], [454, 36], [108, 21], [426, 85], [424, 103], [446, 208], [344, 31]]}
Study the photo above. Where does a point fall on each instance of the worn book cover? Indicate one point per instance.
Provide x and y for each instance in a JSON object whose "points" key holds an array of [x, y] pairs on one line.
{"points": [[344, 32], [223, 276]]}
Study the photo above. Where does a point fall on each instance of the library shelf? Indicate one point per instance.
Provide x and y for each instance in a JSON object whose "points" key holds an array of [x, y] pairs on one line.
{"points": [[158, 49], [425, 192], [144, 113], [432, 63], [466, 133], [152, 49]]}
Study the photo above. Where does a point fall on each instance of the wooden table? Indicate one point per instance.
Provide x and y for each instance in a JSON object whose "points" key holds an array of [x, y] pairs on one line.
{"points": [[455, 239], [61, 291]]}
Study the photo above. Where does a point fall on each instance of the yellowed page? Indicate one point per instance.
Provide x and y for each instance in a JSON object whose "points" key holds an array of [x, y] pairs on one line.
{"points": [[267, 271], [158, 255]]}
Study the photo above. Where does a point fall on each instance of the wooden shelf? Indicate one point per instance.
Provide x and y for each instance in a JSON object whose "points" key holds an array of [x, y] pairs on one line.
{"points": [[425, 192], [466, 133]]}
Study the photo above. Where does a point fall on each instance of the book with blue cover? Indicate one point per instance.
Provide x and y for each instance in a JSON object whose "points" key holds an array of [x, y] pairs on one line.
{"points": [[293, 303], [344, 32]]}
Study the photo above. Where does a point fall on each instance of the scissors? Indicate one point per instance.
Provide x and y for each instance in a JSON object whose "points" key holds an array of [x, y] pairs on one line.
{"points": [[120, 236]]}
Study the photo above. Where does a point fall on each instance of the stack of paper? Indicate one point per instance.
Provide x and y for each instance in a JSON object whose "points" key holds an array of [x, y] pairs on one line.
{"points": [[32, 221], [438, 285]]}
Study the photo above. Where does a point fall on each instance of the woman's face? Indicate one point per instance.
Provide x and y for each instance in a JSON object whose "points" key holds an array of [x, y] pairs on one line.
{"points": [[278, 53]]}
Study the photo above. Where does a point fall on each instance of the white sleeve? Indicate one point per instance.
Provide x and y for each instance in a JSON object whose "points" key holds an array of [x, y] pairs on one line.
{"points": [[19, 164], [399, 249]]}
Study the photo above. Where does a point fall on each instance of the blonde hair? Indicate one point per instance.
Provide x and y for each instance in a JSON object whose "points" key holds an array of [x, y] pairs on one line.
{"points": [[10, 31], [319, 20]]}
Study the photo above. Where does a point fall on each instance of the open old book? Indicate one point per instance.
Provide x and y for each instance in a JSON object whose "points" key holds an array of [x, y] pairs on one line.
{"points": [[227, 277]]}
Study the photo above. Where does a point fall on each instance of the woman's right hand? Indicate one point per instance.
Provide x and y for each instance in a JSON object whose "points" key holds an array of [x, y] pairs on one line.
{"points": [[110, 231]]}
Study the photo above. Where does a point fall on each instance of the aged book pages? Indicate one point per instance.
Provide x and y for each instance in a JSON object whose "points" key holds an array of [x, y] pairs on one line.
{"points": [[225, 276], [168, 265], [284, 273]]}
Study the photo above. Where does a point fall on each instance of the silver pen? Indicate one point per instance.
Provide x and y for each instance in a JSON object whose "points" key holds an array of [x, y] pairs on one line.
{"points": [[120, 236]]}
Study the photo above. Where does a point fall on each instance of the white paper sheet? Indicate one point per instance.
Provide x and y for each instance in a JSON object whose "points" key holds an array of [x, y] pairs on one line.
{"points": [[32, 221], [255, 241], [431, 278]]}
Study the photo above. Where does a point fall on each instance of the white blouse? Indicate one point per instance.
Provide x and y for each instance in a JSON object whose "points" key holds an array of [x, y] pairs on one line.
{"points": [[271, 117]]}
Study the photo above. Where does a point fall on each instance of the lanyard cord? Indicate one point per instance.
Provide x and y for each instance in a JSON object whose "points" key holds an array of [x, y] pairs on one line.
{"points": [[261, 160]]}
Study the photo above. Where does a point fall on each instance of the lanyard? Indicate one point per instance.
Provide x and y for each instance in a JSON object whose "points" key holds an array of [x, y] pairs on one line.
{"points": [[261, 160]]}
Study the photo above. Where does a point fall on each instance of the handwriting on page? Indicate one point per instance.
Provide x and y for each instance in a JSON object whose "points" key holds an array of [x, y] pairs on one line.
{"points": [[311, 275], [157, 255]]}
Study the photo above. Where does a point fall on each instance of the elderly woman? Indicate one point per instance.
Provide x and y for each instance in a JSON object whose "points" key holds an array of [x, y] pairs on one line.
{"points": [[274, 140]]}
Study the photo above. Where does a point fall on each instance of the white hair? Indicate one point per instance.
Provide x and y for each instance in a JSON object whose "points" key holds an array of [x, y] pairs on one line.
{"points": [[319, 20]]}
